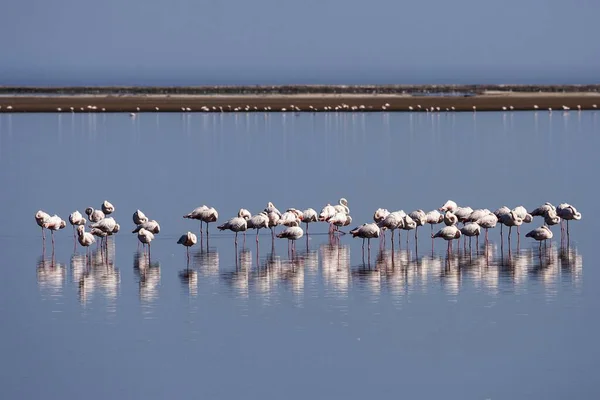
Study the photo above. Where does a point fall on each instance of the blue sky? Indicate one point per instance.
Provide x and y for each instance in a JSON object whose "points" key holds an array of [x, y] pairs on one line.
{"points": [[310, 41]]}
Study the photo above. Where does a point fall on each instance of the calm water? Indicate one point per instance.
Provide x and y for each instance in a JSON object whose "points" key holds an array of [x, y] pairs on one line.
{"points": [[495, 322]]}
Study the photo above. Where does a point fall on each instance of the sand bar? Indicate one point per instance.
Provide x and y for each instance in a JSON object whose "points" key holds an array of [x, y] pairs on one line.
{"points": [[306, 97]]}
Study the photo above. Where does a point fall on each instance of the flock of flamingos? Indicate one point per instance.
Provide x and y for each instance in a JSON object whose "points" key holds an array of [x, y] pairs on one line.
{"points": [[471, 221]]}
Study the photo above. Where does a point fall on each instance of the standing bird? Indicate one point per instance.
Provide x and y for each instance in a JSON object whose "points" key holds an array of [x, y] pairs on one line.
{"points": [[568, 213], [258, 221], [541, 233], [151, 226], [274, 218], [340, 219], [499, 213], [41, 217], [291, 233], [203, 214], [270, 208], [309, 216], [433, 218], [237, 224], [543, 210], [471, 229], [188, 240], [145, 237], [463, 214], [487, 222], [380, 214], [94, 215], [76, 219], [393, 221], [291, 216], [139, 217], [366, 231], [326, 213], [449, 206], [243, 213], [511, 219], [54, 223], [85, 238], [450, 219], [342, 207], [409, 224], [420, 219], [522, 213], [107, 208], [448, 233]]}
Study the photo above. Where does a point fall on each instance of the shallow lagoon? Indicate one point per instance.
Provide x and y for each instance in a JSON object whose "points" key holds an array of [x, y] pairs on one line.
{"points": [[495, 322]]}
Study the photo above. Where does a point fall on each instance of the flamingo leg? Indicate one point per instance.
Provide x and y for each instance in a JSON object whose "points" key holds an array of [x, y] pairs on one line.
{"points": [[236, 239], [52, 234], [257, 236]]}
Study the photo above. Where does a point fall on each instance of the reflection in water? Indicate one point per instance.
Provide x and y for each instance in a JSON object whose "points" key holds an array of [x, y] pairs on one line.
{"points": [[148, 275], [96, 272], [51, 277], [490, 268]]}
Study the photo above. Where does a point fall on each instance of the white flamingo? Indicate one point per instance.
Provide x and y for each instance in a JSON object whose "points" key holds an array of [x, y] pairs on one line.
{"points": [[85, 239], [203, 214], [568, 213], [188, 240], [448, 233], [54, 223], [488, 222], [139, 217], [76, 219], [511, 219], [309, 216], [94, 215], [393, 221], [291, 233], [542, 233], [471, 229], [450, 219], [326, 213], [258, 221], [463, 213], [145, 237], [449, 206], [150, 226], [434, 217], [420, 219], [236, 224], [342, 207], [366, 231], [107, 208]]}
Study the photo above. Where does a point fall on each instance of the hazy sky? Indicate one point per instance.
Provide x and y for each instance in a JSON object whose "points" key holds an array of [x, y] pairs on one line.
{"points": [[280, 41]]}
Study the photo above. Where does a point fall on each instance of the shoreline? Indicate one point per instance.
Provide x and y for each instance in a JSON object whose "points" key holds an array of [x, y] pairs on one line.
{"points": [[310, 98]]}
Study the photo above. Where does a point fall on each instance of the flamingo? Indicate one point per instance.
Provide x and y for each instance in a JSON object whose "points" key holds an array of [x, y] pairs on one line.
{"points": [[41, 217], [541, 233], [203, 214], [54, 223], [150, 226], [409, 224], [145, 237], [568, 213], [449, 206], [76, 219], [139, 217], [522, 213], [270, 208], [309, 216], [291, 233], [94, 215], [85, 238], [450, 219], [340, 219], [487, 222], [420, 219], [434, 217], [366, 231], [471, 229], [543, 209], [499, 213], [448, 233], [236, 224], [511, 219], [107, 208], [393, 221], [188, 240], [326, 213], [258, 221], [463, 214], [290, 216], [342, 207]]}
